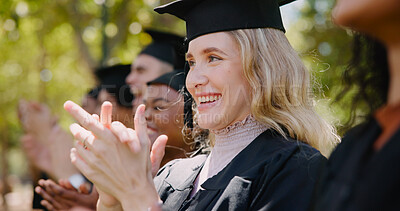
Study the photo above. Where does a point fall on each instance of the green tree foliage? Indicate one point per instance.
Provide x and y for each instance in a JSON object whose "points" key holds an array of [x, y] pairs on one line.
{"points": [[326, 50], [50, 48]]}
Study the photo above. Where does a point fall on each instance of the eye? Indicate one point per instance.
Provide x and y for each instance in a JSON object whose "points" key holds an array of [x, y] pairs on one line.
{"points": [[213, 58], [140, 70], [158, 108], [191, 63]]}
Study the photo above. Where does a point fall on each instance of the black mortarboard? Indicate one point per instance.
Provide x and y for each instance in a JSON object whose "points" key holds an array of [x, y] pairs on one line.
{"points": [[209, 16], [167, 47], [113, 80], [174, 79]]}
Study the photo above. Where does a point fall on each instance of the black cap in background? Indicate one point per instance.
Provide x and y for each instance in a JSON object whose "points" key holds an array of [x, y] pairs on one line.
{"points": [[209, 16], [174, 79], [112, 79], [166, 47]]}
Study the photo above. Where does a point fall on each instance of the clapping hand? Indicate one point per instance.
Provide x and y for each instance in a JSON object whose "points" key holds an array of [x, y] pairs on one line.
{"points": [[115, 158]]}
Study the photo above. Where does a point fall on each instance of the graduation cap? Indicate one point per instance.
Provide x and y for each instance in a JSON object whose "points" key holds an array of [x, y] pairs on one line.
{"points": [[174, 79], [209, 16], [166, 47], [112, 79]]}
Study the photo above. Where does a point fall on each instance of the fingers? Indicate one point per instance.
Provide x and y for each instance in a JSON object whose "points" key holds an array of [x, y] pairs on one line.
{"points": [[36, 106], [51, 203], [55, 195], [66, 184], [126, 135], [84, 137], [120, 131], [85, 119], [134, 145], [79, 162], [106, 114], [84, 188], [55, 189], [141, 125], [96, 117], [47, 204], [157, 153]]}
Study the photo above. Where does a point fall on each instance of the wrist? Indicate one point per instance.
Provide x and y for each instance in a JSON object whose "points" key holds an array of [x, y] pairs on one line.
{"points": [[101, 206], [141, 199]]}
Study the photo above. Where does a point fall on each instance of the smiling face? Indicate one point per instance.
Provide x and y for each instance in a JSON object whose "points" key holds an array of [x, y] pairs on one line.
{"points": [[164, 114], [369, 16], [216, 81], [145, 68]]}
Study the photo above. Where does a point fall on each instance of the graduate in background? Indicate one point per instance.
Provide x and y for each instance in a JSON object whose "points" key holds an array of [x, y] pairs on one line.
{"points": [[363, 173], [164, 54], [164, 100]]}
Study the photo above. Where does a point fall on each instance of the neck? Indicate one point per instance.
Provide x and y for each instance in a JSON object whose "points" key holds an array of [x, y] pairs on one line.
{"points": [[240, 132], [394, 72]]}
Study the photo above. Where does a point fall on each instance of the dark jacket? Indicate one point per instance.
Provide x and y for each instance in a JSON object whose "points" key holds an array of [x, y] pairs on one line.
{"points": [[357, 177], [271, 173]]}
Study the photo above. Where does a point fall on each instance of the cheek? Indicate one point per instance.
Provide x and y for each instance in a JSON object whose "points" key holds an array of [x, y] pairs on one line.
{"points": [[189, 83], [162, 120]]}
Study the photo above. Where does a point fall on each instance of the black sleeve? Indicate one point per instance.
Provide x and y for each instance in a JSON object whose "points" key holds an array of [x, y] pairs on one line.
{"points": [[288, 183]]}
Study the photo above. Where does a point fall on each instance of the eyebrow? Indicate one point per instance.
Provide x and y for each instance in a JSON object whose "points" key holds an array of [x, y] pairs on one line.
{"points": [[189, 56], [140, 67], [160, 99], [206, 51], [213, 49]]}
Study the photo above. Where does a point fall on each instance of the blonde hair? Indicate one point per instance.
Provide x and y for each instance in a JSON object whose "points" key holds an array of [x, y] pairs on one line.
{"points": [[281, 95]]}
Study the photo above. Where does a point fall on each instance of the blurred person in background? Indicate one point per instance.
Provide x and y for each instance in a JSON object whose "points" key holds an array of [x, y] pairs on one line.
{"points": [[164, 102], [363, 173], [52, 157], [163, 55], [164, 114], [115, 90], [45, 144]]}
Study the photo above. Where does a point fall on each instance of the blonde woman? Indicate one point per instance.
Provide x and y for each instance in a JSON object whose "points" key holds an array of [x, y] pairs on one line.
{"points": [[252, 92]]}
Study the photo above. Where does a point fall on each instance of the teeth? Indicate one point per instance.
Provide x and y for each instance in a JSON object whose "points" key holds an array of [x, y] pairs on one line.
{"points": [[208, 99]]}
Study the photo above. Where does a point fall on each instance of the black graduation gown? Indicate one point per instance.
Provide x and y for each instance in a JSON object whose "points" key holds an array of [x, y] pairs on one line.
{"points": [[271, 173], [357, 178]]}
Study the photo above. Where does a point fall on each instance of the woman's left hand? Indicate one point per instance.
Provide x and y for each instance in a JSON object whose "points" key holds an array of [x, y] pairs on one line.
{"points": [[117, 160]]}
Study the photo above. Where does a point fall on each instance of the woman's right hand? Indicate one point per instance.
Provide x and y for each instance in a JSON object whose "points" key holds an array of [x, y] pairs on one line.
{"points": [[121, 170]]}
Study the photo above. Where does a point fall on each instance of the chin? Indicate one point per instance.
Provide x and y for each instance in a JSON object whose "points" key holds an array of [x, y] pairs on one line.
{"points": [[210, 121]]}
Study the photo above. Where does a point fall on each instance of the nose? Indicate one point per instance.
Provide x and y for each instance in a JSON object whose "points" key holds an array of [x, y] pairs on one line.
{"points": [[147, 113], [196, 78], [130, 79]]}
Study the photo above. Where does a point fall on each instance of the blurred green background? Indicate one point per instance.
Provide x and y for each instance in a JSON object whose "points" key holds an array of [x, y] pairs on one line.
{"points": [[49, 49]]}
